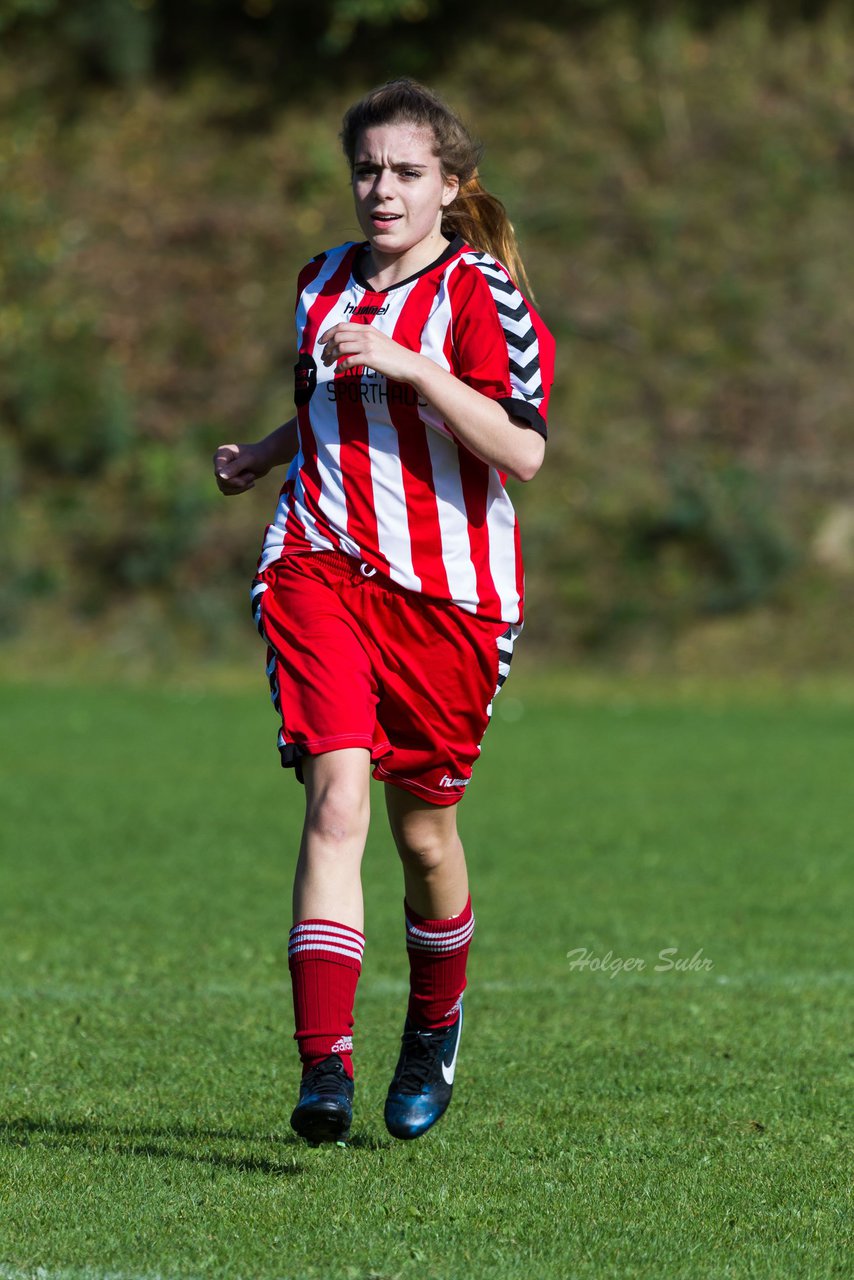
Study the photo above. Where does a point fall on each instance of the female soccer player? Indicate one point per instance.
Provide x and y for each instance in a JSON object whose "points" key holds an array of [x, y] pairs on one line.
{"points": [[389, 588]]}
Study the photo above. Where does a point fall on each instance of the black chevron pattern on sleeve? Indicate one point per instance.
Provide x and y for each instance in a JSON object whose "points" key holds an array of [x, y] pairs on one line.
{"points": [[523, 348]]}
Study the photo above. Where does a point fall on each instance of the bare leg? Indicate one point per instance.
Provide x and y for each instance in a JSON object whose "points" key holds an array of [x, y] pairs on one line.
{"points": [[327, 884], [434, 862], [325, 960], [437, 943]]}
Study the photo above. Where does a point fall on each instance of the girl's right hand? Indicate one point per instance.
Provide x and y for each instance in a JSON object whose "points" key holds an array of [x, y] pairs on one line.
{"points": [[238, 466]]}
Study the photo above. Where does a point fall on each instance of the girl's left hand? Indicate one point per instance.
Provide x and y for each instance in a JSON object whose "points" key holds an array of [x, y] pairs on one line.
{"points": [[349, 345]]}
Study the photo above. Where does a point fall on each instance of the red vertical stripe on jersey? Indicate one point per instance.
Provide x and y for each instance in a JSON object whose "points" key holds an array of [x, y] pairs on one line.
{"points": [[422, 513], [356, 460], [474, 475], [295, 538], [310, 476], [326, 299], [309, 272], [317, 313]]}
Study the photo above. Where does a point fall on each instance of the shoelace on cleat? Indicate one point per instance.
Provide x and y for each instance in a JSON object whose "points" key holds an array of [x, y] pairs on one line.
{"points": [[421, 1049], [325, 1079]]}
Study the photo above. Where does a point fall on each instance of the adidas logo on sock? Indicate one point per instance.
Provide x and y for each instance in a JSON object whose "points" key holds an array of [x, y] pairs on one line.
{"points": [[344, 1044]]}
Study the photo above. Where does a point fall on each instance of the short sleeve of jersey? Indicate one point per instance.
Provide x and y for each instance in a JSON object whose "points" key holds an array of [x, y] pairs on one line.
{"points": [[500, 345]]}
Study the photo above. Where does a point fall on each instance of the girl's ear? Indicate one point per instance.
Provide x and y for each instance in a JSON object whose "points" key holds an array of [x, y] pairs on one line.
{"points": [[452, 186]]}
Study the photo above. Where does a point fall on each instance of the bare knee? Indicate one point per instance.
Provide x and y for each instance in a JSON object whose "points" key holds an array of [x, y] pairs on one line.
{"points": [[337, 801], [427, 849], [338, 815]]}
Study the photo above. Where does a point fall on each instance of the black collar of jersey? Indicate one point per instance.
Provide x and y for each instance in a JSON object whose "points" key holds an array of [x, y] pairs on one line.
{"points": [[454, 247]]}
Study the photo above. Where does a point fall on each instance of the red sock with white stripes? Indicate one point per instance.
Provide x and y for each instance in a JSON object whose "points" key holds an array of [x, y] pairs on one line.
{"points": [[438, 950], [325, 960]]}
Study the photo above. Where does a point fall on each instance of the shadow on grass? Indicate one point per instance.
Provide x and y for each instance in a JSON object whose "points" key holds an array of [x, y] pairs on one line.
{"points": [[163, 1143]]}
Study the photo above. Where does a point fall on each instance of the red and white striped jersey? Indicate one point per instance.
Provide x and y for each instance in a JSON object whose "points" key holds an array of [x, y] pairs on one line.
{"points": [[378, 474]]}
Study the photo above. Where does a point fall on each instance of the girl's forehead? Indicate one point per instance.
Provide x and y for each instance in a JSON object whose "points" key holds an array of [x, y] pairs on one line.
{"points": [[397, 142]]}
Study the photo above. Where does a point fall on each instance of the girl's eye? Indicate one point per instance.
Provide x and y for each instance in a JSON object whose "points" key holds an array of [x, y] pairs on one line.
{"points": [[411, 173]]}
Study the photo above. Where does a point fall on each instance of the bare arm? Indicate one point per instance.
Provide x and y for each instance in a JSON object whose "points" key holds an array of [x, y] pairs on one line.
{"points": [[238, 466], [481, 424]]}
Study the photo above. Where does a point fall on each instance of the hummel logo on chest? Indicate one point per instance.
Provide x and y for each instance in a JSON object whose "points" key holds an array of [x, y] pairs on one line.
{"points": [[351, 310]]}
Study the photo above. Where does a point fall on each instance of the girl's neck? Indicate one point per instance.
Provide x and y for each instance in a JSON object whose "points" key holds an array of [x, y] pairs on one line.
{"points": [[383, 271]]}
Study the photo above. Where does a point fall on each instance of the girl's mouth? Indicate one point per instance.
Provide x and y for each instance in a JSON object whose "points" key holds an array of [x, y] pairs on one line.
{"points": [[384, 219]]}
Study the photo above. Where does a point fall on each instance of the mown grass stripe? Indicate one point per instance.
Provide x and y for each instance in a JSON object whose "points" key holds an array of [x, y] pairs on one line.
{"points": [[688, 1125]]}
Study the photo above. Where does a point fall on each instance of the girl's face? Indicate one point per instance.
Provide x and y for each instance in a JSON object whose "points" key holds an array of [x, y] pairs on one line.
{"points": [[399, 189]]}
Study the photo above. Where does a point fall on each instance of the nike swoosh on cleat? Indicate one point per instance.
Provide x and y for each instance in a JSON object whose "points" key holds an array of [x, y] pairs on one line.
{"points": [[448, 1069]]}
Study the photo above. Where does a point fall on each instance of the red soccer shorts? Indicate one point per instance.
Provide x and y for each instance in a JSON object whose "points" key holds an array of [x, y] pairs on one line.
{"points": [[356, 661]]}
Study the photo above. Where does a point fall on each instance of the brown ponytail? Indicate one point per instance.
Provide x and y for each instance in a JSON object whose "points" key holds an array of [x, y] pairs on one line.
{"points": [[481, 219], [475, 214]]}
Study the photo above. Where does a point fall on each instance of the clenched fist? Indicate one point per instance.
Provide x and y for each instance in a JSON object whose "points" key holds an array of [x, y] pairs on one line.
{"points": [[238, 466]]}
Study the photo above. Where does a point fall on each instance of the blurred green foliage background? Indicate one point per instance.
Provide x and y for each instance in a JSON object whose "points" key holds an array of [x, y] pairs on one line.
{"points": [[681, 179]]}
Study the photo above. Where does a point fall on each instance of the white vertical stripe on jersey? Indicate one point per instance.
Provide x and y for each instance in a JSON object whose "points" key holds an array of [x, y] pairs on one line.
{"points": [[434, 420], [332, 501], [433, 336], [331, 498], [387, 486], [435, 331], [501, 525], [386, 469], [309, 295], [275, 540], [318, 540], [453, 521]]}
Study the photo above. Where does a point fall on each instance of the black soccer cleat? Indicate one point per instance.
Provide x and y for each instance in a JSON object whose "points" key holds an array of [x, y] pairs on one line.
{"points": [[423, 1079], [325, 1108]]}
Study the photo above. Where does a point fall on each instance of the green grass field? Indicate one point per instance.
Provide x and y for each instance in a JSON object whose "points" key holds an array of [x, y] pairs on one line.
{"points": [[682, 1123]]}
